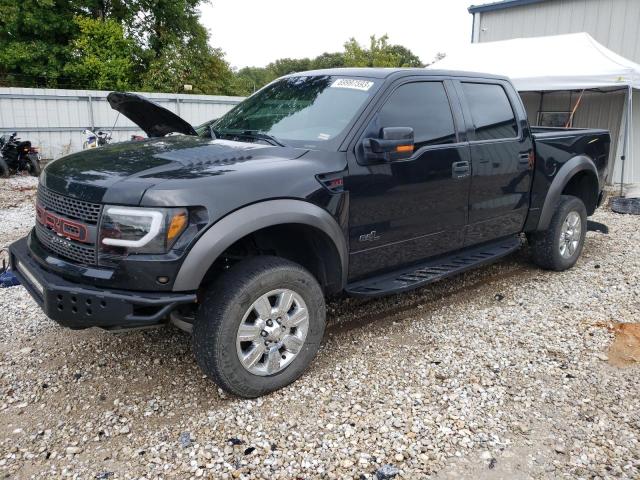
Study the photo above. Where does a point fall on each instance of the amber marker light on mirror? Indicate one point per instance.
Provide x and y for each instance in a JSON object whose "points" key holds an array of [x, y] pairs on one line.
{"points": [[404, 148]]}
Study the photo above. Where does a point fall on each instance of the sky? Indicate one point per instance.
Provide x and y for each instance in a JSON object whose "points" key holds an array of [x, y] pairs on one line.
{"points": [[256, 32]]}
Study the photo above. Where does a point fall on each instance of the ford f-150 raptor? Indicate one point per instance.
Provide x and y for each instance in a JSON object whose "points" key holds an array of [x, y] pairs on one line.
{"points": [[364, 181]]}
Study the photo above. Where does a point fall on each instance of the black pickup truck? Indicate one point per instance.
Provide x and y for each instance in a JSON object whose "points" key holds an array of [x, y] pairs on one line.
{"points": [[364, 181]]}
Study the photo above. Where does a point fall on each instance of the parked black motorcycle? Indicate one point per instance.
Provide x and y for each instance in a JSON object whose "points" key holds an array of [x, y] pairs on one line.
{"points": [[18, 156]]}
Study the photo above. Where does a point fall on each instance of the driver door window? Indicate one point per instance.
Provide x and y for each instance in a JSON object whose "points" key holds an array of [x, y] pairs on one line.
{"points": [[424, 106]]}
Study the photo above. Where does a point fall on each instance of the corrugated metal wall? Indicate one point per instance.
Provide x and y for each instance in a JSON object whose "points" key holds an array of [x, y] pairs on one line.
{"points": [[54, 119], [614, 23]]}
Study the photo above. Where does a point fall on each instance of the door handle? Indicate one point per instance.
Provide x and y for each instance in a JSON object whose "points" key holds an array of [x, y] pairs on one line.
{"points": [[460, 169], [525, 159]]}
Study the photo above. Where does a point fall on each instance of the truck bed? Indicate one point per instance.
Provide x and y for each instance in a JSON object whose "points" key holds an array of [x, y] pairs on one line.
{"points": [[556, 146], [555, 132]]}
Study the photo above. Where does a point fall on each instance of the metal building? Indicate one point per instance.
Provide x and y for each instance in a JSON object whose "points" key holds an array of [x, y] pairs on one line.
{"points": [[54, 119], [613, 23]]}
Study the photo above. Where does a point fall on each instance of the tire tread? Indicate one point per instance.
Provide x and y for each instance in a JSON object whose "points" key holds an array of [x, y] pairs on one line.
{"points": [[4, 168], [208, 335], [543, 244]]}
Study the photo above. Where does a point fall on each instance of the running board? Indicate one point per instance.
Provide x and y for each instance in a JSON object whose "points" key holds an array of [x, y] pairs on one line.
{"points": [[419, 275]]}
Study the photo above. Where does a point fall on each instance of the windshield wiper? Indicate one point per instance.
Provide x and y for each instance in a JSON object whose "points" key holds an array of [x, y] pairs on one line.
{"points": [[263, 136], [257, 134]]}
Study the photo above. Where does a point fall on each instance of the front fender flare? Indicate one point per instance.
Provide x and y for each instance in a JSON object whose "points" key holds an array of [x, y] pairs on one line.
{"points": [[562, 178], [246, 220]]}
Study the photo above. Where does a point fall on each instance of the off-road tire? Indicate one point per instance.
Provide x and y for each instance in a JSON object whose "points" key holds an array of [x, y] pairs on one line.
{"points": [[544, 245], [34, 165], [4, 168], [221, 311]]}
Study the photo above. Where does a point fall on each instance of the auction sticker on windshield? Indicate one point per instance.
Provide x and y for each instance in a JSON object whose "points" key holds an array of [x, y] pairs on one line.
{"points": [[363, 85]]}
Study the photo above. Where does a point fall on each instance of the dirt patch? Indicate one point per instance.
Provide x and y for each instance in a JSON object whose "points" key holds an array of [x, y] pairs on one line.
{"points": [[625, 349], [15, 191]]}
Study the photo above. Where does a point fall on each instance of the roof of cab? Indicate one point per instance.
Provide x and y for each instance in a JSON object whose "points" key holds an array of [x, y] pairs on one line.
{"points": [[387, 72]]}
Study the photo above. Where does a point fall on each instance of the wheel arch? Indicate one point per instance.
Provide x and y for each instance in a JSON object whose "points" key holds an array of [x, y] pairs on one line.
{"points": [[577, 177], [264, 218]]}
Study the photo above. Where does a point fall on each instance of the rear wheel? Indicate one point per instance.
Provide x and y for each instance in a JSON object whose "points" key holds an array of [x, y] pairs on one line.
{"points": [[259, 326], [4, 168], [559, 247]]}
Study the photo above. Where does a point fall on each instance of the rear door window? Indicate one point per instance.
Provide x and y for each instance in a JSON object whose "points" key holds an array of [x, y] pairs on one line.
{"points": [[491, 111], [424, 106]]}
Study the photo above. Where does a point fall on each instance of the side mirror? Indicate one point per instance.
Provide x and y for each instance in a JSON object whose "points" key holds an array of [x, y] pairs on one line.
{"points": [[395, 143]]}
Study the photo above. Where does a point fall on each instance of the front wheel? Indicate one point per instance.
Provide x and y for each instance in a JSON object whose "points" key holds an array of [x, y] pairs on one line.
{"points": [[259, 326], [33, 164], [4, 168], [559, 247]]}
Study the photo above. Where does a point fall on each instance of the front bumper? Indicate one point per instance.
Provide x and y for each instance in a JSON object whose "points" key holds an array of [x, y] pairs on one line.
{"points": [[81, 306]]}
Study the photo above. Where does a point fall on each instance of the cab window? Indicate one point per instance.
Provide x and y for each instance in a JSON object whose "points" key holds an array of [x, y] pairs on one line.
{"points": [[491, 111], [424, 106]]}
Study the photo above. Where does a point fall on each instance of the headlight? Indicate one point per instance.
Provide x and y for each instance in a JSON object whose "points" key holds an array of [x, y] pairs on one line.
{"points": [[125, 230]]}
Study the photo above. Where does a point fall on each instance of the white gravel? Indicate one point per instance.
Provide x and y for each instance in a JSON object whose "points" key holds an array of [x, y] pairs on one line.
{"points": [[17, 209], [499, 373]]}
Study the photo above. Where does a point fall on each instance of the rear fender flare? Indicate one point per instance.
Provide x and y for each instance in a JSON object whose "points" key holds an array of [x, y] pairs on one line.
{"points": [[249, 219], [562, 178]]}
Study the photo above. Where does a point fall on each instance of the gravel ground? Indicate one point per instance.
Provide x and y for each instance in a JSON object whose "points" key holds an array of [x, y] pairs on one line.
{"points": [[503, 372], [17, 210]]}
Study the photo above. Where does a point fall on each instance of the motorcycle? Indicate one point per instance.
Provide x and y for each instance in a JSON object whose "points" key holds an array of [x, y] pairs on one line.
{"points": [[94, 139], [18, 156]]}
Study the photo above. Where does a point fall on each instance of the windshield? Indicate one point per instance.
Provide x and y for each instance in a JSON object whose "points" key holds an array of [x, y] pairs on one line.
{"points": [[309, 111]]}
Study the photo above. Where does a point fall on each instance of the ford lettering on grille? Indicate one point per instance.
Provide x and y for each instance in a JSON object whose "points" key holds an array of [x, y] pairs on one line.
{"points": [[62, 226]]}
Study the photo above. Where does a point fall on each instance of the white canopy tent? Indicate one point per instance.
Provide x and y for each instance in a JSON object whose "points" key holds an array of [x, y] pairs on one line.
{"points": [[560, 63]]}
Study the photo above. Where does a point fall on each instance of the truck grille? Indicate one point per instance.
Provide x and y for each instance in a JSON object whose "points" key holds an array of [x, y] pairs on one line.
{"points": [[77, 252], [78, 210], [69, 207]]}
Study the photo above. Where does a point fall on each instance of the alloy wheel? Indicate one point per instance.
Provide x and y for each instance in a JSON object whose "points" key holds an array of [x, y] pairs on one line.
{"points": [[272, 332], [570, 234]]}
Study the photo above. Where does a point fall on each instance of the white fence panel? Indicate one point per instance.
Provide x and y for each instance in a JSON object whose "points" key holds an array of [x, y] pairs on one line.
{"points": [[54, 119]]}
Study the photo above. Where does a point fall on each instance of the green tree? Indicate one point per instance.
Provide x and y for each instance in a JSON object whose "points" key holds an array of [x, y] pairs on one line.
{"points": [[136, 44], [285, 66], [178, 51], [155, 45], [101, 57], [328, 60], [154, 24], [405, 57], [379, 54], [207, 72], [250, 79], [34, 41]]}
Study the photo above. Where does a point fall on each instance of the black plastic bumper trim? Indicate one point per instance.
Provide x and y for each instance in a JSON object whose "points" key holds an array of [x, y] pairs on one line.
{"points": [[80, 306]]}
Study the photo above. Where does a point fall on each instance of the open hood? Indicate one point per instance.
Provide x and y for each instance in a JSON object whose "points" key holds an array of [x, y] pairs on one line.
{"points": [[156, 121]]}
